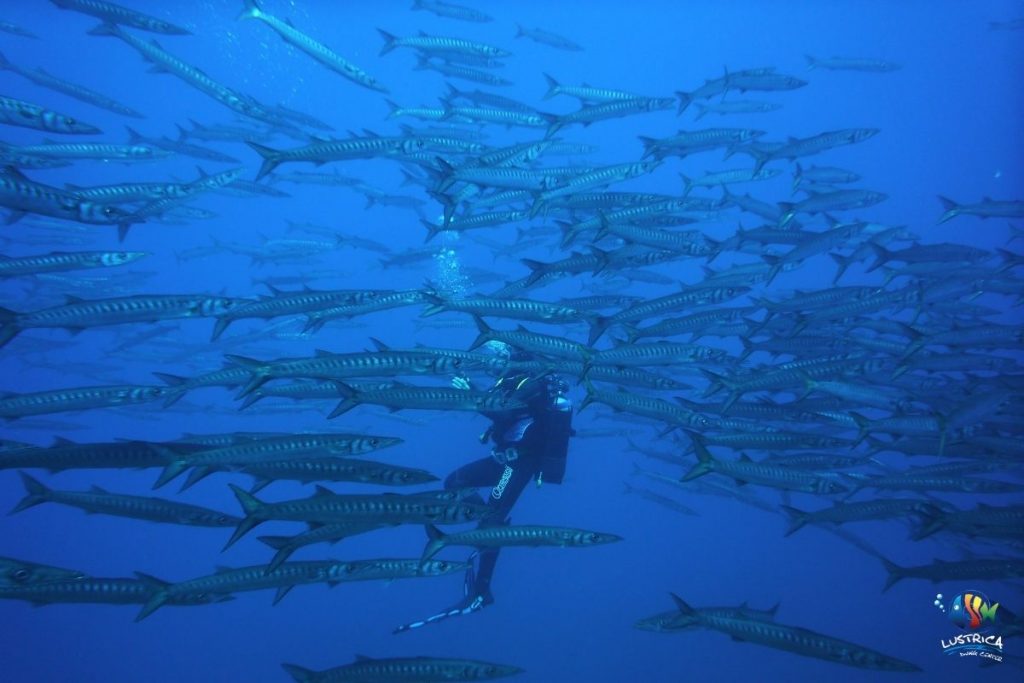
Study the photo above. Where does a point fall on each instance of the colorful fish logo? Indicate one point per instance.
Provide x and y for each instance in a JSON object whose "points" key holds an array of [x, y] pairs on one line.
{"points": [[971, 609]]}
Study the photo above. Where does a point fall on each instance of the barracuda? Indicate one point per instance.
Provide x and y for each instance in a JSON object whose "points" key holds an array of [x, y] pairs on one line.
{"points": [[80, 314], [801, 641], [14, 406], [841, 513], [522, 338], [67, 455], [99, 591], [483, 220], [673, 414], [292, 303], [324, 151], [599, 177], [586, 92], [694, 324], [801, 147], [974, 569], [81, 93], [270, 449], [658, 353], [382, 302], [518, 309], [370, 670], [326, 365], [92, 150], [424, 398], [97, 500], [505, 536], [21, 195], [429, 43], [311, 47], [335, 469], [328, 533], [327, 507], [689, 297], [15, 112], [747, 471], [687, 142], [505, 117], [59, 261], [607, 110], [839, 200], [116, 14], [284, 577], [15, 573]]}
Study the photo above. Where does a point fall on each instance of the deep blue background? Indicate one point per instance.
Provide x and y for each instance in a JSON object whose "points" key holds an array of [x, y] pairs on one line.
{"points": [[951, 124]]}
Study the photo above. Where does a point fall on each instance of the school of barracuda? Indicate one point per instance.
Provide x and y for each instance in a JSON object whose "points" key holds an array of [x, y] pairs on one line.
{"points": [[870, 401]]}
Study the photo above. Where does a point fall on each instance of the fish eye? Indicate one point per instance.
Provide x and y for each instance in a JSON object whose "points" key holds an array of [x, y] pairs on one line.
{"points": [[374, 442], [71, 121], [457, 363], [21, 574]]}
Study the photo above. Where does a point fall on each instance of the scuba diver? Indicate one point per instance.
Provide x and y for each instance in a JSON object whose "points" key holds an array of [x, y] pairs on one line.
{"points": [[530, 444]]}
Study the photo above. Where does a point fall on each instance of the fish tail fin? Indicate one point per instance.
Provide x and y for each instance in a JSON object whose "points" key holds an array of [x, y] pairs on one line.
{"points": [[951, 208], [250, 505], [797, 519], [271, 158], [598, 326], [250, 10], [299, 673], [8, 327], [485, 333], [882, 256], [553, 85], [4, 63], [811, 62], [36, 493], [685, 99], [788, 210], [687, 183], [705, 461], [104, 29], [434, 544], [896, 573], [389, 41], [932, 520], [157, 599], [843, 262]]}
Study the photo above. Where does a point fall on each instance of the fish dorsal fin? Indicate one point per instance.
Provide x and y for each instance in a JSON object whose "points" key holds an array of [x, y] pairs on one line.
{"points": [[72, 299], [221, 569], [61, 441], [322, 491], [321, 353], [364, 658], [745, 458], [97, 489], [381, 346]]}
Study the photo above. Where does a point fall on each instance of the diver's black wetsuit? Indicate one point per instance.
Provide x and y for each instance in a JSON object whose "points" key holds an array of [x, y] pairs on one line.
{"points": [[529, 445]]}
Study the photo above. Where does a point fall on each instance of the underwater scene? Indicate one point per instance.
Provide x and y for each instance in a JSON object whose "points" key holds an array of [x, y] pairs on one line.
{"points": [[416, 340]]}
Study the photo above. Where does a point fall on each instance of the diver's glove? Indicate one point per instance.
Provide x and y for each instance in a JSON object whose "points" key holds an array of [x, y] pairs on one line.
{"points": [[474, 601]]}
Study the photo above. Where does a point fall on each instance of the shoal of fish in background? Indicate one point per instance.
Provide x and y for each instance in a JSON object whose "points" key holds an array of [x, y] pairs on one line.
{"points": [[877, 400]]}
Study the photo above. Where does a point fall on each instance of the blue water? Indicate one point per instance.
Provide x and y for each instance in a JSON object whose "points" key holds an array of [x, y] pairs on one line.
{"points": [[951, 125]]}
